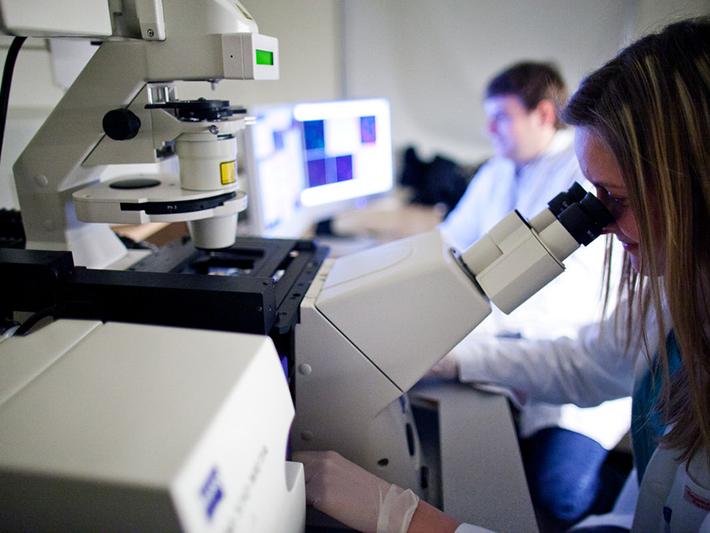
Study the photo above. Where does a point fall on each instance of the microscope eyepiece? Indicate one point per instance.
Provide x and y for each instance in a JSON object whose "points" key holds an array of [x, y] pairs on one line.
{"points": [[564, 199], [586, 218]]}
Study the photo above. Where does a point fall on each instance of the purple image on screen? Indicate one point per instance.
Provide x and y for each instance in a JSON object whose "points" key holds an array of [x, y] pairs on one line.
{"points": [[316, 172], [368, 130], [344, 167]]}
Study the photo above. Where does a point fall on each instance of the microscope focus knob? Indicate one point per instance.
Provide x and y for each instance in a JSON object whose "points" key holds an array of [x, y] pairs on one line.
{"points": [[121, 124]]}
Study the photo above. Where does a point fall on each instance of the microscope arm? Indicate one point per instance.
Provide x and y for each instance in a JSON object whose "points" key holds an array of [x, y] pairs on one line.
{"points": [[203, 41], [406, 304]]}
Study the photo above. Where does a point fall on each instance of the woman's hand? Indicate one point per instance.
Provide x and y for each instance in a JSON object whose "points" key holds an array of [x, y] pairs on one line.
{"points": [[354, 496], [445, 368]]}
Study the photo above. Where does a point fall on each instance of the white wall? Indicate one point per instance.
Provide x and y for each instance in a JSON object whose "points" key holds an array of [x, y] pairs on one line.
{"points": [[652, 14], [433, 59]]}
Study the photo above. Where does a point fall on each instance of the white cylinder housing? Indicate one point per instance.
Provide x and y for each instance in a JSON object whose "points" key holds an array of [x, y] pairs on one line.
{"points": [[214, 233], [207, 163]]}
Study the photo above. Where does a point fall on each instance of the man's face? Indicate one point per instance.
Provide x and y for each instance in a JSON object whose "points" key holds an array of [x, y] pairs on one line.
{"points": [[516, 133]]}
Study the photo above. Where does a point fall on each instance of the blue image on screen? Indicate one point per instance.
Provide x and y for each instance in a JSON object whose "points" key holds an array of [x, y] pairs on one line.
{"points": [[314, 134], [368, 130], [316, 172], [344, 167]]}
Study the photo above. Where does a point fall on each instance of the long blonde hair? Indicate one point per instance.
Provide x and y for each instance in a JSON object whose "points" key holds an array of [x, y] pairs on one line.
{"points": [[651, 104]]}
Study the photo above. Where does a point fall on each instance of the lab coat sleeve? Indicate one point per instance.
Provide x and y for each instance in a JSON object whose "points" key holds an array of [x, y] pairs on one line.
{"points": [[586, 370]]}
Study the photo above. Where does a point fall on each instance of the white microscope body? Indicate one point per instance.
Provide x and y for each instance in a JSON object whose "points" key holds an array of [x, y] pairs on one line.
{"points": [[373, 323], [122, 109], [137, 426]]}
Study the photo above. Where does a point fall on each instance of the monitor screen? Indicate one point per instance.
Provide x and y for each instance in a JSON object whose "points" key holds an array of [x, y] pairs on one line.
{"points": [[307, 161]]}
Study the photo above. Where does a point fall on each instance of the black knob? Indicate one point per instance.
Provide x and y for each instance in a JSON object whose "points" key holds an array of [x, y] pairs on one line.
{"points": [[121, 124], [563, 200], [586, 219]]}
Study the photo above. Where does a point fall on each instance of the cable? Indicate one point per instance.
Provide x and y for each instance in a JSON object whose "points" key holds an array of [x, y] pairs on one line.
{"points": [[12, 54], [34, 319], [8, 329]]}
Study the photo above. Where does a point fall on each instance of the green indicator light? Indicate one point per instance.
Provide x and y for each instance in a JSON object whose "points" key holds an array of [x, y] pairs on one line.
{"points": [[264, 57]]}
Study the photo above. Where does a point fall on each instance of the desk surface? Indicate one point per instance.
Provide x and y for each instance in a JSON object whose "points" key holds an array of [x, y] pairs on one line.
{"points": [[388, 218], [380, 221]]}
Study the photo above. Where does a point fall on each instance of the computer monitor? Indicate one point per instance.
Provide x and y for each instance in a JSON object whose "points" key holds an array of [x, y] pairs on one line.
{"points": [[307, 161]]}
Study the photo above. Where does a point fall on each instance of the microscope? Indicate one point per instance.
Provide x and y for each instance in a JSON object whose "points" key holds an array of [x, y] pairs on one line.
{"points": [[352, 334], [373, 323], [123, 108], [129, 421]]}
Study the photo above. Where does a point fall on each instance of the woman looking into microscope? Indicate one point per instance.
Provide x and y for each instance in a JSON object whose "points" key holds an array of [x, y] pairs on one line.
{"points": [[642, 131]]}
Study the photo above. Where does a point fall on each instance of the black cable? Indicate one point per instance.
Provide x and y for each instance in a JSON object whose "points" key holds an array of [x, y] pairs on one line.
{"points": [[34, 319], [12, 54], [6, 325]]}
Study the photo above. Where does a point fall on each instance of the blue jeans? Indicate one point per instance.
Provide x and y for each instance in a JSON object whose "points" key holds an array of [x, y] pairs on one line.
{"points": [[567, 476]]}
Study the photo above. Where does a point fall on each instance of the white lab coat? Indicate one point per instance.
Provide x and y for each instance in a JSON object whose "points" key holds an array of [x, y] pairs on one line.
{"points": [[590, 369], [674, 496], [561, 308], [586, 369], [498, 188]]}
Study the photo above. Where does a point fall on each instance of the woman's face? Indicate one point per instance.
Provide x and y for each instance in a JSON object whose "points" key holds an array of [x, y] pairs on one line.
{"points": [[601, 168]]}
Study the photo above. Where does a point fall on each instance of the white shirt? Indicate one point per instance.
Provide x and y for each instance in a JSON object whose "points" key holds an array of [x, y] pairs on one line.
{"points": [[561, 308], [497, 189]]}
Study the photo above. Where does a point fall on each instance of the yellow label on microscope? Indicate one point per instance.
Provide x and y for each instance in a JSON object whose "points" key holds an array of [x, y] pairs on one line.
{"points": [[228, 172]]}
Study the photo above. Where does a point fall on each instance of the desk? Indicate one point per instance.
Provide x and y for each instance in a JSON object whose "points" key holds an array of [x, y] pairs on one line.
{"points": [[158, 233], [388, 218], [482, 471], [383, 220]]}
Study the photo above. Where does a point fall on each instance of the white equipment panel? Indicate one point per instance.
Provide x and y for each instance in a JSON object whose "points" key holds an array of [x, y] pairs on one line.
{"points": [[87, 18], [145, 428]]}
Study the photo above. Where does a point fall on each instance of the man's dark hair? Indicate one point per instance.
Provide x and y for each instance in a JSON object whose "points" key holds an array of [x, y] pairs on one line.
{"points": [[531, 82]]}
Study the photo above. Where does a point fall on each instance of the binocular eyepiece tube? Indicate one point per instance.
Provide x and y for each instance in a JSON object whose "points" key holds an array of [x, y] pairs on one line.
{"points": [[572, 218], [517, 257]]}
